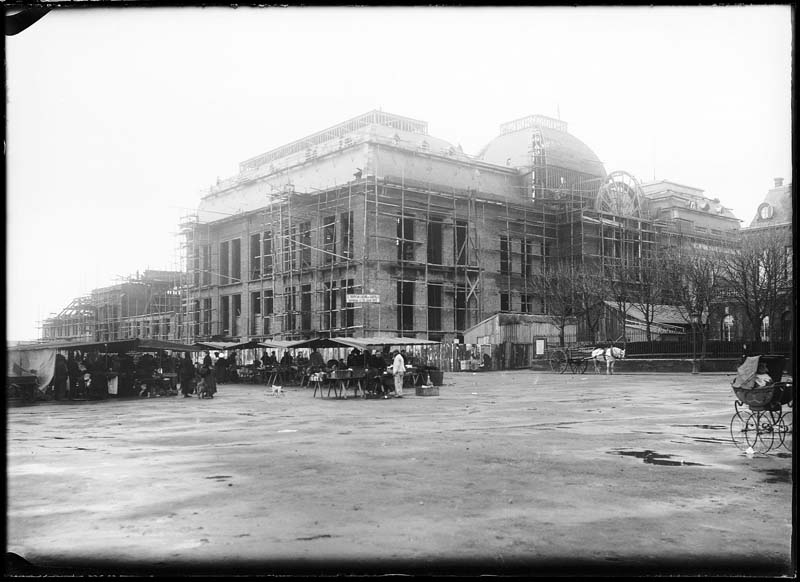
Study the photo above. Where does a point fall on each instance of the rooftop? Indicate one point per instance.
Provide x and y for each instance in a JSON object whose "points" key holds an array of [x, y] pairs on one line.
{"points": [[338, 131]]}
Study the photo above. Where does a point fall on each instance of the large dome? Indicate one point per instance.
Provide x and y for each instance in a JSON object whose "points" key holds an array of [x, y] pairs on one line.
{"points": [[561, 150]]}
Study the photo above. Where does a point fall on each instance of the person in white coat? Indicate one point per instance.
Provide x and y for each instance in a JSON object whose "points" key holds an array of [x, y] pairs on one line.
{"points": [[399, 370]]}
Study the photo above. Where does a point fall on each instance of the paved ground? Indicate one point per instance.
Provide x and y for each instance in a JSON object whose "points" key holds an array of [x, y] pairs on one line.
{"points": [[504, 472]]}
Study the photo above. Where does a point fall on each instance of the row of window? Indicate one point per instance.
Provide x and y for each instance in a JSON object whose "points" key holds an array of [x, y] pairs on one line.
{"points": [[530, 252], [336, 312], [336, 245]]}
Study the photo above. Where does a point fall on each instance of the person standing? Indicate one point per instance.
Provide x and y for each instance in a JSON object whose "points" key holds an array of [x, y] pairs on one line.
{"points": [[208, 379], [74, 374], [399, 371], [61, 377], [187, 375], [316, 360], [221, 366]]}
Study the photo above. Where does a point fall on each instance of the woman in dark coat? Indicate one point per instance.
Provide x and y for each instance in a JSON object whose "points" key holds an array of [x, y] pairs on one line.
{"points": [[61, 377], [187, 373]]}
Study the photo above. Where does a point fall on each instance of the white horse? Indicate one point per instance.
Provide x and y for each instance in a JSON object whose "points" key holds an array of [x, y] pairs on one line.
{"points": [[607, 355]]}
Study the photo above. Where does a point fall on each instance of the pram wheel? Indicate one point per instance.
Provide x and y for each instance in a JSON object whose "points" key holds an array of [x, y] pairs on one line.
{"points": [[760, 431], [738, 429]]}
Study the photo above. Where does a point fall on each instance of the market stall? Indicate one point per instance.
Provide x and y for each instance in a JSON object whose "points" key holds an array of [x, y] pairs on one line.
{"points": [[102, 369], [425, 355]]}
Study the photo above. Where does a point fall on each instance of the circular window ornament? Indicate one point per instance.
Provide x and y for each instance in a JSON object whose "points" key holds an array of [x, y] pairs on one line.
{"points": [[765, 211], [620, 194]]}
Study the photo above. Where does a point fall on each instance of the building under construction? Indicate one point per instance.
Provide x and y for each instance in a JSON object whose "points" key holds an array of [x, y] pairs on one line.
{"points": [[146, 305], [374, 227]]}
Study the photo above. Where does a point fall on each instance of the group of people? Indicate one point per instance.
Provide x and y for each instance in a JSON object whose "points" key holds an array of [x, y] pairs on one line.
{"points": [[200, 379], [75, 374], [69, 382], [376, 366]]}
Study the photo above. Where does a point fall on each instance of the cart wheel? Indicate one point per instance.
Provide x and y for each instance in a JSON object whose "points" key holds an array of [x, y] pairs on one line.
{"points": [[584, 363], [760, 432], [739, 428], [784, 429], [558, 361]]}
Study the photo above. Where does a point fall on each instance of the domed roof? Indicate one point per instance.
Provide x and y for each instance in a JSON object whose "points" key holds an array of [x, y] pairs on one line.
{"points": [[513, 146]]}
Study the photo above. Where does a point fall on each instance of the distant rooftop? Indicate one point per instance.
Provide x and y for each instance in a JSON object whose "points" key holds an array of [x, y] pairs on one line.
{"points": [[338, 131], [533, 121]]}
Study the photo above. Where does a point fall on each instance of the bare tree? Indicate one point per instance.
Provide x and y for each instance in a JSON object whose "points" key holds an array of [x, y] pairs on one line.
{"points": [[556, 284], [696, 286], [620, 285], [589, 292], [759, 278], [654, 278]]}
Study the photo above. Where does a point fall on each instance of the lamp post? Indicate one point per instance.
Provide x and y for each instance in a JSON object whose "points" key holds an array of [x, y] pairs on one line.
{"points": [[695, 320]]}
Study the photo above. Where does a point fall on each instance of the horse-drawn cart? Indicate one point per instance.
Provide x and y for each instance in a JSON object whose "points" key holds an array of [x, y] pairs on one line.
{"points": [[575, 357]]}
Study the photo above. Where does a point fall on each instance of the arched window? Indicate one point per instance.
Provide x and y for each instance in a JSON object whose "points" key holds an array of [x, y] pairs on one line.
{"points": [[765, 329], [727, 328], [786, 326]]}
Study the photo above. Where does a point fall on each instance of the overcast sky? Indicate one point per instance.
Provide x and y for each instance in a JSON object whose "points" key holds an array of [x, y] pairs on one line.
{"points": [[118, 117]]}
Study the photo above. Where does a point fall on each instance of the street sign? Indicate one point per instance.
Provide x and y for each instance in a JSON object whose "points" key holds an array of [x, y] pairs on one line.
{"points": [[363, 298]]}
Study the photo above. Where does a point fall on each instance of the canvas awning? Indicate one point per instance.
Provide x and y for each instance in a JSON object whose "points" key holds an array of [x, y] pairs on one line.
{"points": [[217, 345], [249, 345], [111, 347], [320, 342], [380, 341], [279, 344]]}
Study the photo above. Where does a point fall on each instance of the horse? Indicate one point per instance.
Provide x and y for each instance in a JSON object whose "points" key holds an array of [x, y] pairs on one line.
{"points": [[607, 355]]}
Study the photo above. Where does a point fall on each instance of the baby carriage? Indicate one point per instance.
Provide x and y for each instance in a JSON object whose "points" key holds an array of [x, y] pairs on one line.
{"points": [[764, 403]]}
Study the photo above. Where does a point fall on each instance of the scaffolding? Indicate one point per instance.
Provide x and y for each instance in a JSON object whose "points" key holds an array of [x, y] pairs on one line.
{"points": [[145, 305], [302, 261], [441, 258]]}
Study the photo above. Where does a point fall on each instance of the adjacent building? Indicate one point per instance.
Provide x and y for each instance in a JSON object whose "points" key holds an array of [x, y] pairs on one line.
{"points": [[774, 216], [146, 305]]}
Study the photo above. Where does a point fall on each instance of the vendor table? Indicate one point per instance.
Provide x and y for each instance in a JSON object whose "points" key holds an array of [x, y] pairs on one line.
{"points": [[340, 382], [414, 376]]}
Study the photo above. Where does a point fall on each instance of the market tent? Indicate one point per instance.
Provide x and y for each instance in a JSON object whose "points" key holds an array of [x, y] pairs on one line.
{"points": [[38, 364], [250, 345], [39, 358], [216, 345], [111, 347], [280, 344], [320, 342], [380, 341], [150, 345]]}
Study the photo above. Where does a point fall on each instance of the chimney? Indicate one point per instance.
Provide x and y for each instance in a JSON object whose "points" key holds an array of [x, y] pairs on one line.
{"points": [[778, 182]]}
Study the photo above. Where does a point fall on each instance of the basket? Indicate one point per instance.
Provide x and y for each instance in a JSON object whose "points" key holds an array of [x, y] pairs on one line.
{"points": [[758, 397], [427, 391]]}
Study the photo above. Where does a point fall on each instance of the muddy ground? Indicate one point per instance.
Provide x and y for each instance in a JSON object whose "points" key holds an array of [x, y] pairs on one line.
{"points": [[503, 472]]}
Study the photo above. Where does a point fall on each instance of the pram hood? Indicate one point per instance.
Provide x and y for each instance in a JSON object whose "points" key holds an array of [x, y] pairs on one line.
{"points": [[746, 373]]}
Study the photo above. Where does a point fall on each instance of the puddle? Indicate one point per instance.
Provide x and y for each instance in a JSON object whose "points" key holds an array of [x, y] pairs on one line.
{"points": [[705, 426], [653, 458], [313, 537], [778, 476], [711, 440]]}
